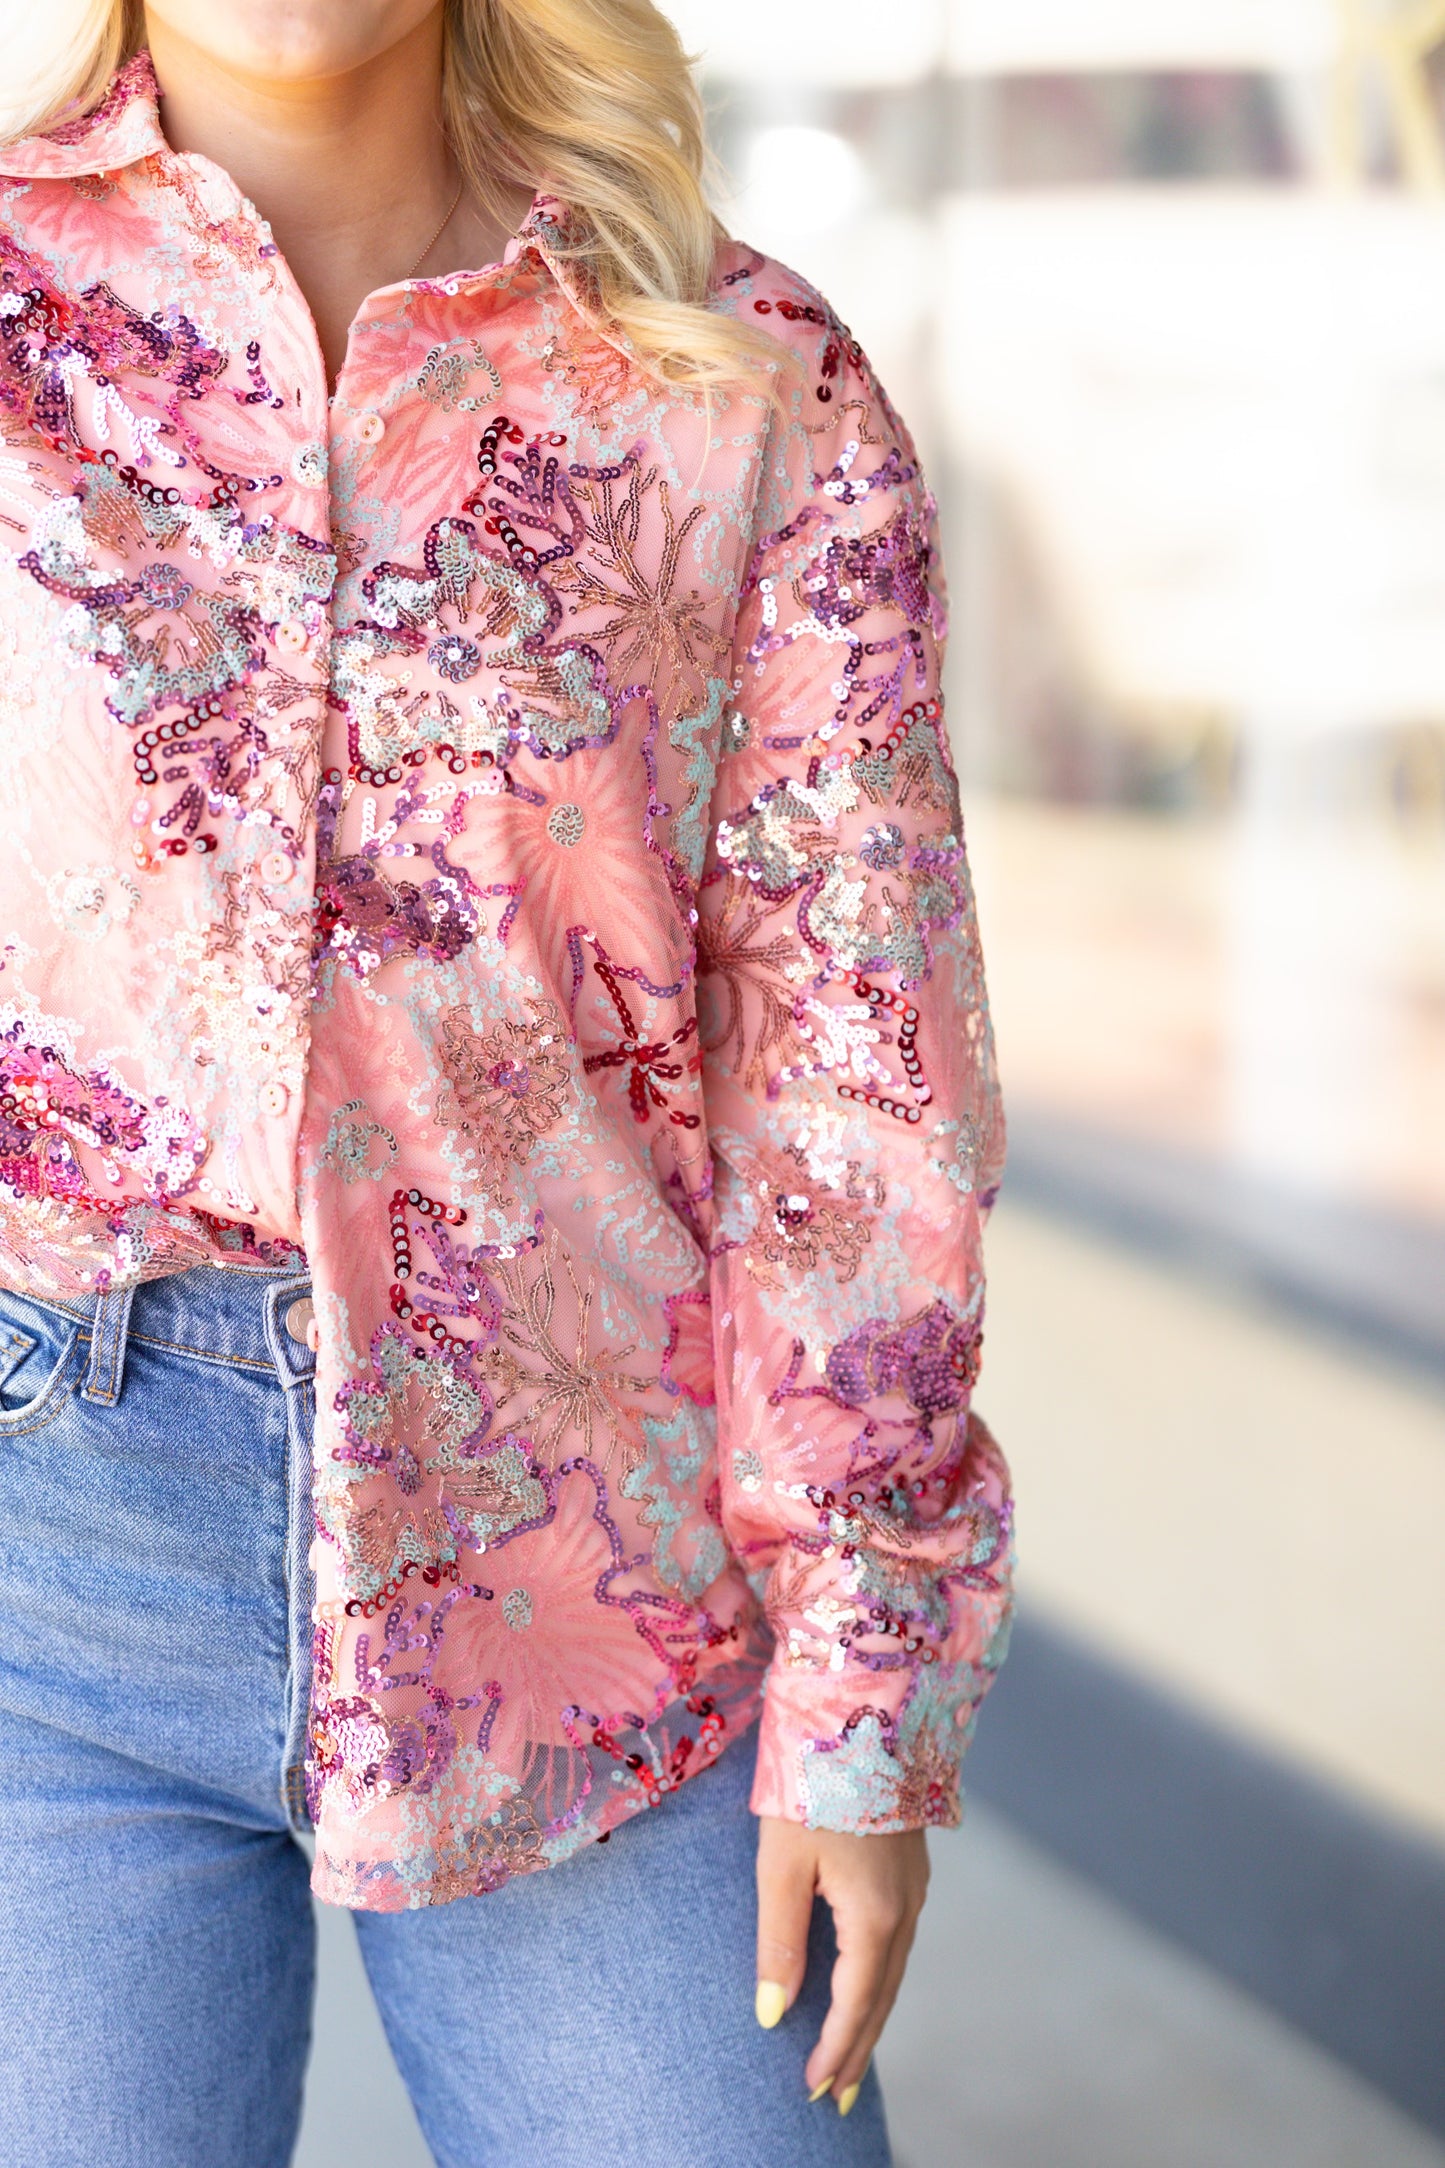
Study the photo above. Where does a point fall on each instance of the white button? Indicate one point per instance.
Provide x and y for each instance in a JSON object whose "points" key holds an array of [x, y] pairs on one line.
{"points": [[277, 868], [292, 635], [275, 1098], [301, 1323], [371, 428]]}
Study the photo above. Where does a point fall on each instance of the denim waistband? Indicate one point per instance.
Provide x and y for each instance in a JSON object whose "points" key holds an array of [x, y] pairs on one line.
{"points": [[133, 1352], [211, 1312]]}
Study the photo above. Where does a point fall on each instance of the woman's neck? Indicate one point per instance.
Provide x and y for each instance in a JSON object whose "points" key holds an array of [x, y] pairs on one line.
{"points": [[352, 172]]}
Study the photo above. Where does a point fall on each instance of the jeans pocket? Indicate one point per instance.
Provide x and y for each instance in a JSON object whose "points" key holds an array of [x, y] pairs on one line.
{"points": [[38, 1366]]}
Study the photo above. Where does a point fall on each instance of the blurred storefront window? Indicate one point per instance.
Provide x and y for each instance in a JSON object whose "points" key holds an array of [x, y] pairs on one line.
{"points": [[1157, 285]]}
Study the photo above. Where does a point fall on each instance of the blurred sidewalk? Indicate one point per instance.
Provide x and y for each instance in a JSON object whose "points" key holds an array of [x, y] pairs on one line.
{"points": [[1041, 2026], [1211, 1491]]}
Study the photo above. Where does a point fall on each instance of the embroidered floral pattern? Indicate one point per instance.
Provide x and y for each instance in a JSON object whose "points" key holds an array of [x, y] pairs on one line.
{"points": [[495, 834], [807, 1221], [506, 1086]]}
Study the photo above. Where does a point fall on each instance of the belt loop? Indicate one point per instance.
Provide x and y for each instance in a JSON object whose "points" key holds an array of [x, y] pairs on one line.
{"points": [[294, 1357], [107, 1345]]}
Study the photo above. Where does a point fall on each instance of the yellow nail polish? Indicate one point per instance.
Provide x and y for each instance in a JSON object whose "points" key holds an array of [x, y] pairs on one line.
{"points": [[772, 2001], [819, 2090], [847, 2097]]}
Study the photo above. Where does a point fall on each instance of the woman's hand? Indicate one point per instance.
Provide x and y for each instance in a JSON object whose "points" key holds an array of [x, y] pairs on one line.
{"points": [[875, 1887]]}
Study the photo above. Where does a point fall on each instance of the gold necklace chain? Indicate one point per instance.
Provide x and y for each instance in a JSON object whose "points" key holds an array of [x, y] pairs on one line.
{"points": [[441, 229]]}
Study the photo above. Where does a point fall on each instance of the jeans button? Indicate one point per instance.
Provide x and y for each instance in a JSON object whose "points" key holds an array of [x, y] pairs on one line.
{"points": [[301, 1323]]}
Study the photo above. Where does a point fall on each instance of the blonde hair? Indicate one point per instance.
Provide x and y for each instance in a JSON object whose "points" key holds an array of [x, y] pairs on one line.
{"points": [[593, 100]]}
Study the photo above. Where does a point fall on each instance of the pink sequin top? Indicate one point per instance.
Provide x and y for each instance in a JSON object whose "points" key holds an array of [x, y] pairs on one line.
{"points": [[491, 836]]}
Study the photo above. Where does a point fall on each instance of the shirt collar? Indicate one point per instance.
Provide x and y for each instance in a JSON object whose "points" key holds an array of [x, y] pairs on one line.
{"points": [[125, 128]]}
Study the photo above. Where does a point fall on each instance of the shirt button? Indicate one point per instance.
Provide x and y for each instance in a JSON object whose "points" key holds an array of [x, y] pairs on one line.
{"points": [[292, 635], [274, 1097], [371, 429], [301, 1323], [277, 868]]}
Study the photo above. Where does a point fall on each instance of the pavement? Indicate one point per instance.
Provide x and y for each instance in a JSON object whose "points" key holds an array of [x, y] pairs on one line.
{"points": [[1247, 1511]]}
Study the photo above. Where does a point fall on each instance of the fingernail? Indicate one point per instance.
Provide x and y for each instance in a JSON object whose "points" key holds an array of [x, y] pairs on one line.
{"points": [[847, 2097], [819, 2090], [772, 2001]]}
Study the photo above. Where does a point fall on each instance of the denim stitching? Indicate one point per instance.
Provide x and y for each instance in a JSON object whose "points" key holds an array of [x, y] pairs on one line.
{"points": [[150, 1339], [203, 1354], [61, 1388], [109, 1331], [84, 1317]]}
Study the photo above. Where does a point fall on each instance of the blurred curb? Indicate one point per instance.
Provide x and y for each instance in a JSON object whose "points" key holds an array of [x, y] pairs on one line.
{"points": [[1375, 1278], [1328, 1912]]}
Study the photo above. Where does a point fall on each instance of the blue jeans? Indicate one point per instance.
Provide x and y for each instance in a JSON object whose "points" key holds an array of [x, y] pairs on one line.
{"points": [[156, 1942]]}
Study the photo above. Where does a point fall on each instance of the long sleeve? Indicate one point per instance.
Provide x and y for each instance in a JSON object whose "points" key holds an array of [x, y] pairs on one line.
{"points": [[855, 1127]]}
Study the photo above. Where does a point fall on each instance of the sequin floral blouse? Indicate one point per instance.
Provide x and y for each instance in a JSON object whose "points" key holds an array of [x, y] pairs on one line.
{"points": [[489, 837]]}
